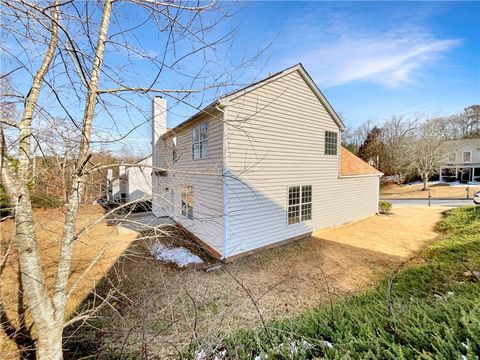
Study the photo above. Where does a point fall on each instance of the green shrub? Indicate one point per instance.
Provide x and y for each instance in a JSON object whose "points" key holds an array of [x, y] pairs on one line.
{"points": [[458, 220], [384, 207], [5, 208], [44, 201], [434, 311]]}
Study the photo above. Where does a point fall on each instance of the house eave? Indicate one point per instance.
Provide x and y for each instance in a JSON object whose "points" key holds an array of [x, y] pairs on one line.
{"points": [[223, 101], [304, 74], [359, 175], [208, 110]]}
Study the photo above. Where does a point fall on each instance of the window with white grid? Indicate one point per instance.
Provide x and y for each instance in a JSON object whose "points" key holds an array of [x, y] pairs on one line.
{"points": [[299, 204], [200, 141], [330, 143], [187, 201]]}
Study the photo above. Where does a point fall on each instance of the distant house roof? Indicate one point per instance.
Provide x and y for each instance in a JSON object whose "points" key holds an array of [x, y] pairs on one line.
{"points": [[456, 144], [231, 95], [351, 165]]}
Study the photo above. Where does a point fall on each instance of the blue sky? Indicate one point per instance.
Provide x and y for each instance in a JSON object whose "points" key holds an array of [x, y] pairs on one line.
{"points": [[373, 60]]}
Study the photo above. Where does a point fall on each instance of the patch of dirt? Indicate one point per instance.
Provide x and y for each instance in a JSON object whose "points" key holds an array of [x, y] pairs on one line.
{"points": [[171, 307], [437, 190], [101, 240]]}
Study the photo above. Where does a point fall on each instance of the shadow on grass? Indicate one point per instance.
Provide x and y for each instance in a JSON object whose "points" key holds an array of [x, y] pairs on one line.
{"points": [[153, 301], [431, 310]]}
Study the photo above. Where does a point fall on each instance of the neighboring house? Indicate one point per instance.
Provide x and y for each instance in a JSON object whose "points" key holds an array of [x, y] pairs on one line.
{"points": [[132, 183], [259, 167], [460, 160]]}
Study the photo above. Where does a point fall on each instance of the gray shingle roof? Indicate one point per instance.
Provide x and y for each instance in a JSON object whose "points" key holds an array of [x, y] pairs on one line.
{"points": [[455, 144]]}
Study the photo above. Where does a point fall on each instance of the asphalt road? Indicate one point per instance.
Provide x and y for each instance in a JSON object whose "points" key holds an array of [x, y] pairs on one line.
{"points": [[434, 202]]}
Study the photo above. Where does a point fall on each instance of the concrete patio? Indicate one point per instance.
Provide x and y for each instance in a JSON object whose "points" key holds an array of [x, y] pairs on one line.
{"points": [[141, 222]]}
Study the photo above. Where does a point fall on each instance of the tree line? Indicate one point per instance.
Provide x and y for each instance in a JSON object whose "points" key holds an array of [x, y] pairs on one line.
{"points": [[408, 147]]}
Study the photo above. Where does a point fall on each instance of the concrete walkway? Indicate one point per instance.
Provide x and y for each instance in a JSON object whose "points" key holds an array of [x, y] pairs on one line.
{"points": [[144, 221]]}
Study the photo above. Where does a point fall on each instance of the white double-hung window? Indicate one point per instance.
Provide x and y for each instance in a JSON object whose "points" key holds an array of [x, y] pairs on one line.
{"points": [[200, 141], [299, 204], [467, 156]]}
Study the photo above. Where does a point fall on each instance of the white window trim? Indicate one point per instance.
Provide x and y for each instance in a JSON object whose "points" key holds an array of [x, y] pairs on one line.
{"points": [[325, 143], [454, 156], [300, 205], [200, 141], [463, 157]]}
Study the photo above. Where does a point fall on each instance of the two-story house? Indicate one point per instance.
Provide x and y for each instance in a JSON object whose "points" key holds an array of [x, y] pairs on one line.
{"points": [[259, 167], [460, 161]]}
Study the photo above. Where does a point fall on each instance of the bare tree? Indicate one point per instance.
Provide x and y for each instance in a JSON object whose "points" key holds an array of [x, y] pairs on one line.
{"points": [[78, 59], [425, 154], [354, 138], [465, 124], [472, 121], [397, 136]]}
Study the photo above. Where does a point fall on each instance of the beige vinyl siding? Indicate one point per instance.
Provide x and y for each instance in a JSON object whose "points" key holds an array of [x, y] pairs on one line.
{"points": [[276, 139], [475, 156], [205, 175]]}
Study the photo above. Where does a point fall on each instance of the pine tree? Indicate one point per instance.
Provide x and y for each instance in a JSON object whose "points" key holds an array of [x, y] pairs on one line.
{"points": [[370, 150]]}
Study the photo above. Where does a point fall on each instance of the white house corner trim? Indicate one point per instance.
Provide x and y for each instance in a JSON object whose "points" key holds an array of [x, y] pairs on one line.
{"points": [[225, 184]]}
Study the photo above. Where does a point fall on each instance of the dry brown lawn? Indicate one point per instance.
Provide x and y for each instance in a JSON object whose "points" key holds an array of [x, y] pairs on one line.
{"points": [[101, 239], [166, 308], [392, 191]]}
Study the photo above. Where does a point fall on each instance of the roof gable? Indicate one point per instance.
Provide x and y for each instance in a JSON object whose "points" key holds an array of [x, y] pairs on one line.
{"points": [[467, 147], [224, 100], [458, 144]]}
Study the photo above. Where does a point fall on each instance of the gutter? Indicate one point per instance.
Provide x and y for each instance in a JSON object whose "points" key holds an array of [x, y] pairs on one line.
{"points": [[361, 175]]}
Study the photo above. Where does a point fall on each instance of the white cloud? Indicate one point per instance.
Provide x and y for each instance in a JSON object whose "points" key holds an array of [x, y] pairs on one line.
{"points": [[338, 54]]}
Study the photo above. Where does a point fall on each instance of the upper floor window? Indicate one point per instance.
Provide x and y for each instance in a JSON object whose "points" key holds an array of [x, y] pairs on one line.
{"points": [[330, 143], [299, 204], [467, 156], [187, 201], [200, 141], [451, 156]]}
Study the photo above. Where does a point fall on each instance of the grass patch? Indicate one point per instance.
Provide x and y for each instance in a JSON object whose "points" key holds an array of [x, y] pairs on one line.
{"points": [[432, 312]]}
